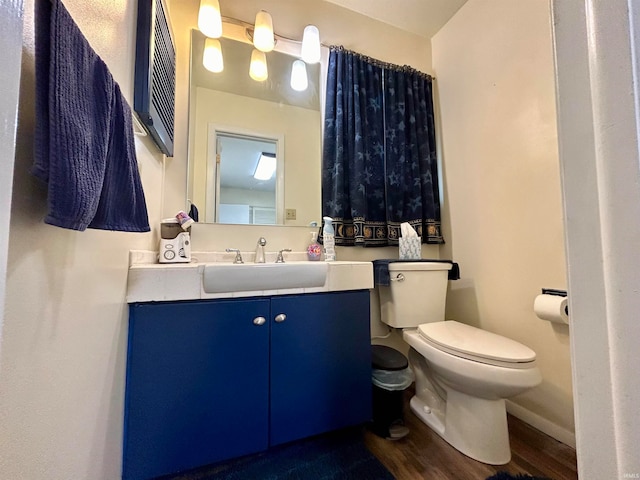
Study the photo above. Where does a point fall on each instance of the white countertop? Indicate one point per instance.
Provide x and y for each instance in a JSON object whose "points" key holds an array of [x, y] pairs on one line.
{"points": [[149, 281]]}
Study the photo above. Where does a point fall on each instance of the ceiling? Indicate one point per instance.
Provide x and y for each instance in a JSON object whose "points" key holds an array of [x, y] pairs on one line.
{"points": [[422, 17]]}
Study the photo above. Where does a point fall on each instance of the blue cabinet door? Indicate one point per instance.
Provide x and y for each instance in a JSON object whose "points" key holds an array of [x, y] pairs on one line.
{"points": [[197, 385], [320, 364]]}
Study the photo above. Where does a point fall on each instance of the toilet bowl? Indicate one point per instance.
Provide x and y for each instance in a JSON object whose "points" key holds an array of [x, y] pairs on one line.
{"points": [[461, 393], [463, 374]]}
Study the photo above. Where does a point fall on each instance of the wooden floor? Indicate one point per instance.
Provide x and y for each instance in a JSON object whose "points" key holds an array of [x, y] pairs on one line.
{"points": [[424, 455]]}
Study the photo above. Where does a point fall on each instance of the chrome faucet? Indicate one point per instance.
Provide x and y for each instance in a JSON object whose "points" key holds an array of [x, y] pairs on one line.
{"points": [[260, 250], [280, 258], [238, 258]]}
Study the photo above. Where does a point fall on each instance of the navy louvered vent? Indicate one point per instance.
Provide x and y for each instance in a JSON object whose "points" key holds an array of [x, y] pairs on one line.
{"points": [[155, 76]]}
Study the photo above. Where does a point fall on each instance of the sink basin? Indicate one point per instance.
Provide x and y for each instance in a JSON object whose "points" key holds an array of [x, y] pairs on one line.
{"points": [[227, 277]]}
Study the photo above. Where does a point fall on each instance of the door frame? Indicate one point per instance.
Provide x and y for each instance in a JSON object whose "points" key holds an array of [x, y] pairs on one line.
{"points": [[11, 21], [597, 81]]}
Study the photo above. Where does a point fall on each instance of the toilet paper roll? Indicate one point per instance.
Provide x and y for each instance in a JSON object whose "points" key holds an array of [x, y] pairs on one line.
{"points": [[552, 308]]}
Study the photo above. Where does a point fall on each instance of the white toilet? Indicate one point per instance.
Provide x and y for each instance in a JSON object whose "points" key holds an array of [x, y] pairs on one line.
{"points": [[463, 374]]}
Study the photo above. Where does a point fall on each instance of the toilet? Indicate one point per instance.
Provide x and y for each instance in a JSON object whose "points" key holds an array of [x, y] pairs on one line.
{"points": [[463, 374]]}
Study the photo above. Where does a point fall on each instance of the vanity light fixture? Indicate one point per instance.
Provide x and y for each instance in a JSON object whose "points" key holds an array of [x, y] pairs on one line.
{"points": [[263, 38], [258, 67], [311, 44], [266, 166], [212, 57], [209, 18], [299, 81]]}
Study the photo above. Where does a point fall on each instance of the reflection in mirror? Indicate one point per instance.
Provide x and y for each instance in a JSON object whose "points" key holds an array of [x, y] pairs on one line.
{"points": [[231, 105], [245, 180]]}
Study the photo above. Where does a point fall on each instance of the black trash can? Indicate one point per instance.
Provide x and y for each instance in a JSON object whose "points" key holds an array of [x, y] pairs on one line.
{"points": [[391, 376]]}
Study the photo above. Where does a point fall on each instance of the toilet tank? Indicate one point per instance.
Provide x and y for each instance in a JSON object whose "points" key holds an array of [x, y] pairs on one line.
{"points": [[417, 294]]}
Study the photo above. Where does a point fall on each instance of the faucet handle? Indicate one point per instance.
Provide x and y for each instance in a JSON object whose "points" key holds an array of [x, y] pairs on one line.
{"points": [[238, 258], [280, 258]]}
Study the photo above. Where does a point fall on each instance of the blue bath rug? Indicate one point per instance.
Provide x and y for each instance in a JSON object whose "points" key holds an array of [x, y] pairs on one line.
{"points": [[335, 456], [518, 476]]}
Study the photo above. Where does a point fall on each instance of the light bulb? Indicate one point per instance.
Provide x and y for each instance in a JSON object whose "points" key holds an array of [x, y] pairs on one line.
{"points": [[311, 44], [212, 57], [263, 32], [266, 166], [209, 19], [258, 68], [299, 81]]}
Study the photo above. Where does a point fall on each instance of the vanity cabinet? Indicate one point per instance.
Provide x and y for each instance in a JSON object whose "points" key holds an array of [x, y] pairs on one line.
{"points": [[217, 379]]}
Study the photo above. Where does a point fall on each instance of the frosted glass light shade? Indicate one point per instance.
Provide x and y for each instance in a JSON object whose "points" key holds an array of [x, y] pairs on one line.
{"points": [[212, 57], [209, 19], [311, 44], [266, 167], [299, 81], [258, 68], [263, 38]]}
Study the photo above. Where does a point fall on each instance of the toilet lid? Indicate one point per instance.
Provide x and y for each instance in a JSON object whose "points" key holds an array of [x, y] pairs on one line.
{"points": [[475, 344]]}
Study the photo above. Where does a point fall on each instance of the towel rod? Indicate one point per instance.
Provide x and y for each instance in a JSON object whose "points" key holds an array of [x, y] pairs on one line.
{"points": [[138, 129]]}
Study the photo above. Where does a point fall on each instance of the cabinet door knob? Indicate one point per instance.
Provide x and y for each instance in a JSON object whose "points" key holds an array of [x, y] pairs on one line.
{"points": [[259, 321], [281, 317]]}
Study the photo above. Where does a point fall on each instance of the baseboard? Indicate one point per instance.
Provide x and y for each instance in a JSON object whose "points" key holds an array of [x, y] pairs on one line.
{"points": [[545, 426]]}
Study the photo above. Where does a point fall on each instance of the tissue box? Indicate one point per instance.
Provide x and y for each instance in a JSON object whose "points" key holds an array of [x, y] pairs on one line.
{"points": [[410, 248]]}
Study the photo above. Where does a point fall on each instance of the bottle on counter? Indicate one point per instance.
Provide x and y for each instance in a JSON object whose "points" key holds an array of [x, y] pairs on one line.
{"points": [[328, 240], [314, 250]]}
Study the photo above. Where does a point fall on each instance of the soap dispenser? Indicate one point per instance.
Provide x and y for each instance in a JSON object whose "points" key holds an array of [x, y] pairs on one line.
{"points": [[314, 251]]}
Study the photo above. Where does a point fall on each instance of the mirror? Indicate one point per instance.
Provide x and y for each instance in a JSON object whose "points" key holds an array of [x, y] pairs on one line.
{"points": [[229, 108]]}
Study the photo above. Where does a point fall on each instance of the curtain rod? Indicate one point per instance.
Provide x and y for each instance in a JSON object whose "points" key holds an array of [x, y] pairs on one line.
{"points": [[380, 63]]}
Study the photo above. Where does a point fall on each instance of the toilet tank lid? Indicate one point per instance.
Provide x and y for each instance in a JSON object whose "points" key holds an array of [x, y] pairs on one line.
{"points": [[468, 340]]}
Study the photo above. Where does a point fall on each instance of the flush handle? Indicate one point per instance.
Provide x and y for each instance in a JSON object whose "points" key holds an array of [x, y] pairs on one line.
{"points": [[259, 321], [399, 278], [281, 317]]}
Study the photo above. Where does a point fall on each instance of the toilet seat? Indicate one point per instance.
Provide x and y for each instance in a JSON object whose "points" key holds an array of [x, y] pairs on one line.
{"points": [[477, 345]]}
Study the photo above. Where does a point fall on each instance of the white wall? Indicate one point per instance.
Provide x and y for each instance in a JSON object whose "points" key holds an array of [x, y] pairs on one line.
{"points": [[245, 196], [502, 208], [64, 337]]}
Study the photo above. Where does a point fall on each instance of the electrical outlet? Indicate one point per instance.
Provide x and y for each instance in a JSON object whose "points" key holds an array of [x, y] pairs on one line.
{"points": [[290, 213]]}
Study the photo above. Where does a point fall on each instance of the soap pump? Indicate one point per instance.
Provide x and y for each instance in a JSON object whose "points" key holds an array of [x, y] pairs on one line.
{"points": [[314, 251], [328, 240]]}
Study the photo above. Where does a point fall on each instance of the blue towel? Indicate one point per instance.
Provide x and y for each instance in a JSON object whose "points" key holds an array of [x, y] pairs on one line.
{"points": [[381, 269], [84, 146]]}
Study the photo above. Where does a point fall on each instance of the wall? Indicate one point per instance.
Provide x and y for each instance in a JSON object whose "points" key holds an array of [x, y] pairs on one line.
{"points": [[502, 207], [64, 337], [254, 198]]}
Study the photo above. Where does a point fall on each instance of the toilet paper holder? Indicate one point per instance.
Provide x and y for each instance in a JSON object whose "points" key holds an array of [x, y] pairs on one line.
{"points": [[554, 291], [559, 293]]}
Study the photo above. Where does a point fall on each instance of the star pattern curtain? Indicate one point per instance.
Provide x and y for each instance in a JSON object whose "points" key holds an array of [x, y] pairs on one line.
{"points": [[379, 152]]}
